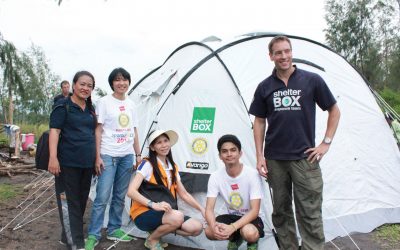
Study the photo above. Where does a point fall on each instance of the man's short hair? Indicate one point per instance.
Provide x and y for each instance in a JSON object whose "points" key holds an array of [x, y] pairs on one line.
{"points": [[278, 39], [228, 138], [63, 82], [118, 71]]}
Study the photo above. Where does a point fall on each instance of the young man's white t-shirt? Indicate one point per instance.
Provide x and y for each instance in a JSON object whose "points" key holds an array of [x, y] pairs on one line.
{"points": [[119, 119], [236, 192]]}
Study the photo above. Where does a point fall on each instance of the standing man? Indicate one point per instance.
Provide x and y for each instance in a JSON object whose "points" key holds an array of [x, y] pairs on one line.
{"points": [[287, 99], [116, 143], [241, 189], [64, 92]]}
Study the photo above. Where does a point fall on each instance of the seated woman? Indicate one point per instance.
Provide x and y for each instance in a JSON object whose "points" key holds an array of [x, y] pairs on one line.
{"points": [[150, 210]]}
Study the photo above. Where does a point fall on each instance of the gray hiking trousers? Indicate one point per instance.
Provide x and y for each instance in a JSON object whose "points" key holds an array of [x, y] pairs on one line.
{"points": [[302, 181]]}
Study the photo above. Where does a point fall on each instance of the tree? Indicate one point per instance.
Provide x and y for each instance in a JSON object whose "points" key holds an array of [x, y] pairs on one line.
{"points": [[100, 92], [350, 32], [366, 33], [393, 79], [27, 84], [40, 89], [11, 65]]}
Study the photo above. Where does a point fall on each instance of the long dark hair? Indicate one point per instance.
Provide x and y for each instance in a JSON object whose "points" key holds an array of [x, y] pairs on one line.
{"points": [[89, 99], [154, 163]]}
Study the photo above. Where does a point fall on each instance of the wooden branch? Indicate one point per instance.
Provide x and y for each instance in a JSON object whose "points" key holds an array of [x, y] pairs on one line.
{"points": [[17, 167]]}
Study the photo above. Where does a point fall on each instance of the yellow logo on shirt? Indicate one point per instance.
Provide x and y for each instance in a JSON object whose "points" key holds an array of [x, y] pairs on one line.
{"points": [[235, 201], [123, 120]]}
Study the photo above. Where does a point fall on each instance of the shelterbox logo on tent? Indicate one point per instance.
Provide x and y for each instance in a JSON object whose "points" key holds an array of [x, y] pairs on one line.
{"points": [[203, 120]]}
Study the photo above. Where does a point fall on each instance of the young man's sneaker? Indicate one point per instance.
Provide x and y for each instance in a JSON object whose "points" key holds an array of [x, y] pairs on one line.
{"points": [[91, 242], [234, 245], [120, 235], [252, 246]]}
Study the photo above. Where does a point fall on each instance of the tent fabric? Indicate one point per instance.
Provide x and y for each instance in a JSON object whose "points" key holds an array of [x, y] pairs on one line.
{"points": [[203, 90]]}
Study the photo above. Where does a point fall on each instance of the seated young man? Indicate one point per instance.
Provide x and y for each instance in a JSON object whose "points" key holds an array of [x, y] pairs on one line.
{"points": [[241, 189]]}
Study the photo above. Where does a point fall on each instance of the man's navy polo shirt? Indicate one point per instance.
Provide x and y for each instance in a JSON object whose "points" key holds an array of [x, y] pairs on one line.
{"points": [[290, 112], [76, 147]]}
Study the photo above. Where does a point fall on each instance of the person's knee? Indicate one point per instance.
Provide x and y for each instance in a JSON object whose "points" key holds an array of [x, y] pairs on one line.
{"points": [[250, 233], [101, 199], [174, 218], [118, 201], [209, 234], [196, 228]]}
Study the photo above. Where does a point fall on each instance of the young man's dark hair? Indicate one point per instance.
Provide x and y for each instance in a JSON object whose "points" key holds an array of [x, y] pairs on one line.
{"points": [[118, 71], [229, 138]]}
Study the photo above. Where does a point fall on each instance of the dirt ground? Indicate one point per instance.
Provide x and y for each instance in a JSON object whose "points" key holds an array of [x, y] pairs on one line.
{"points": [[44, 233]]}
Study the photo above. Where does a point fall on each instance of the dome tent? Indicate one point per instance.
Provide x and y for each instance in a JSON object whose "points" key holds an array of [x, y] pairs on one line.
{"points": [[203, 90]]}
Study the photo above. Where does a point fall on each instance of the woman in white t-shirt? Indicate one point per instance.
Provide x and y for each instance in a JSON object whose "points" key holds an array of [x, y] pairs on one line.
{"points": [[156, 211], [117, 147]]}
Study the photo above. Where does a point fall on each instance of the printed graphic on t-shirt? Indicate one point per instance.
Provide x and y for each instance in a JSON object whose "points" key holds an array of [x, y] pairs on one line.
{"points": [[123, 120], [124, 133], [235, 201], [287, 100]]}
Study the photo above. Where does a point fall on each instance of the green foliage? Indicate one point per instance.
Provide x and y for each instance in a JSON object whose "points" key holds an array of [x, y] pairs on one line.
{"points": [[35, 105], [367, 34], [390, 233], [29, 89], [4, 141], [392, 97], [393, 79], [8, 191], [100, 92], [11, 65]]}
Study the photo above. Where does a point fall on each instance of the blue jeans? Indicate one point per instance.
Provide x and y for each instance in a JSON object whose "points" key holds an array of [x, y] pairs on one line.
{"points": [[115, 177]]}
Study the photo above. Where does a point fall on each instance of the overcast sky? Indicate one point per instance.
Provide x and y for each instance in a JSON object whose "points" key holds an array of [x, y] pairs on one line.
{"points": [[98, 35]]}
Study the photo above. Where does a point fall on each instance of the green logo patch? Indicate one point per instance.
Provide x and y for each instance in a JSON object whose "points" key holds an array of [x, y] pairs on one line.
{"points": [[203, 120]]}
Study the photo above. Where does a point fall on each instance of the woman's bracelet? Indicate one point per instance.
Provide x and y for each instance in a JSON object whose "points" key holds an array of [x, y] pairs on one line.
{"points": [[137, 155], [233, 226]]}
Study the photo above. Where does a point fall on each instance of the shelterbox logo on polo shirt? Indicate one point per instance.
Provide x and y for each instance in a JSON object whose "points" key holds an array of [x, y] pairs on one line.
{"points": [[287, 100], [203, 120]]}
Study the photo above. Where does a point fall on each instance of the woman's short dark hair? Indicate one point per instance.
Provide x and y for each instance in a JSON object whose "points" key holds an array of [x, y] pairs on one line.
{"points": [[229, 138], [118, 71]]}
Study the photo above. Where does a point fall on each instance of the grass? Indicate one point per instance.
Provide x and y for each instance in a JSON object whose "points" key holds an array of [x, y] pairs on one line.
{"points": [[4, 140], [8, 191], [389, 233]]}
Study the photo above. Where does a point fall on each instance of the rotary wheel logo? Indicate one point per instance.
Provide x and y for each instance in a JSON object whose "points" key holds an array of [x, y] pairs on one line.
{"points": [[199, 146], [123, 120], [235, 200]]}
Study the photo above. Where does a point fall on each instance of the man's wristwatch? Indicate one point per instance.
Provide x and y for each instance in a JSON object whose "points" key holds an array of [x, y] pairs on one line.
{"points": [[327, 140], [150, 204]]}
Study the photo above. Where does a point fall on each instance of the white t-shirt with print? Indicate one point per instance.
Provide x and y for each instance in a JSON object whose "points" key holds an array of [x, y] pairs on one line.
{"points": [[146, 170], [236, 192], [119, 119]]}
